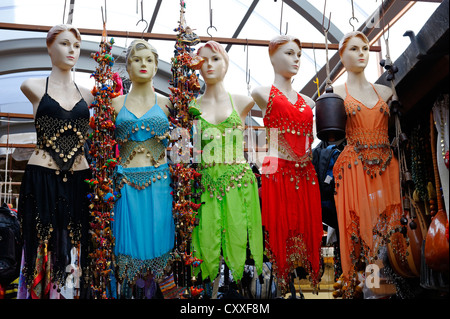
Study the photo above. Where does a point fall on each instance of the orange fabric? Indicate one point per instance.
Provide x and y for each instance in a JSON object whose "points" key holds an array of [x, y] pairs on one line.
{"points": [[367, 185]]}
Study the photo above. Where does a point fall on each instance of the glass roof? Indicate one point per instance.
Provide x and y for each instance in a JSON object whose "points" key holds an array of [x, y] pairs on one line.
{"points": [[225, 20]]}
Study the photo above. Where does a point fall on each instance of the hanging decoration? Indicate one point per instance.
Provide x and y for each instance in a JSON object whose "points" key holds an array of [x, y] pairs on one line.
{"points": [[103, 161], [186, 181]]}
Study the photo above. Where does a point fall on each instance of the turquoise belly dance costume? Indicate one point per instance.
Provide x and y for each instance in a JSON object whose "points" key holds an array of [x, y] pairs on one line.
{"points": [[143, 225]]}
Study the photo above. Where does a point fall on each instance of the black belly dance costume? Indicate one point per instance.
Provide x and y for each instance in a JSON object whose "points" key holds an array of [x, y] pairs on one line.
{"points": [[53, 205]]}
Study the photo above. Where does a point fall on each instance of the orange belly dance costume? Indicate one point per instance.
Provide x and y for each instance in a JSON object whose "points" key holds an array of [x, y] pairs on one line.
{"points": [[367, 187], [291, 205]]}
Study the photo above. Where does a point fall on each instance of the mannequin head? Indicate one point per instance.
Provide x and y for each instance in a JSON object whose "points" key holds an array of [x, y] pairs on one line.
{"points": [[57, 29], [278, 41], [354, 51], [285, 52], [216, 61], [64, 46], [344, 41], [141, 56]]}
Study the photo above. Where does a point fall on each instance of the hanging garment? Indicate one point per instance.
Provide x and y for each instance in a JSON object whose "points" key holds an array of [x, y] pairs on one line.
{"points": [[53, 205], [291, 204], [59, 132], [440, 114], [367, 186], [230, 216], [143, 225]]}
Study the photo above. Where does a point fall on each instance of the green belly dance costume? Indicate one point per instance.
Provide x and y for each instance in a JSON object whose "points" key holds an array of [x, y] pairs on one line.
{"points": [[231, 212]]}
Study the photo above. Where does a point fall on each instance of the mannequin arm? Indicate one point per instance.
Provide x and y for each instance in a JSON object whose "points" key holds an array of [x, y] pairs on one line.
{"points": [[261, 97]]}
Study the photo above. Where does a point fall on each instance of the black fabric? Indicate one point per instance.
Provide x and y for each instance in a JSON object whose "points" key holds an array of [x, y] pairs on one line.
{"points": [[324, 157], [57, 211], [10, 245], [60, 132]]}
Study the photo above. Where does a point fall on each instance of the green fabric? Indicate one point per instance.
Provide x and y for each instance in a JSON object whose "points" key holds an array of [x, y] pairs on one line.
{"points": [[231, 214]]}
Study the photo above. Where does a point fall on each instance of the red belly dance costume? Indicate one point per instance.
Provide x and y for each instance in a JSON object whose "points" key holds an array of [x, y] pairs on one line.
{"points": [[291, 206]]}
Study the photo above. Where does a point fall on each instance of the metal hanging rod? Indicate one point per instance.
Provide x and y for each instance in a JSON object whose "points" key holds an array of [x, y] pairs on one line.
{"points": [[170, 37]]}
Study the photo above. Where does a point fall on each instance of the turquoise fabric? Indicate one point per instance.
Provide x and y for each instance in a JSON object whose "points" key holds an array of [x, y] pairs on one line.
{"points": [[132, 130], [143, 224]]}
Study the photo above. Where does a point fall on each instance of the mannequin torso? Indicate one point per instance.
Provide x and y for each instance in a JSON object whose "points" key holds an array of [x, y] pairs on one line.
{"points": [[67, 95], [139, 103], [364, 92]]}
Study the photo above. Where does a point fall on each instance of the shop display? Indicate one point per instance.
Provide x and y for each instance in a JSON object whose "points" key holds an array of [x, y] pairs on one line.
{"points": [[143, 189]]}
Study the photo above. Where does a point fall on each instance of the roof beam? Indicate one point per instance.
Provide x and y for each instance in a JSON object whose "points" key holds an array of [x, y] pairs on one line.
{"points": [[154, 16], [170, 37], [243, 22], [315, 17]]}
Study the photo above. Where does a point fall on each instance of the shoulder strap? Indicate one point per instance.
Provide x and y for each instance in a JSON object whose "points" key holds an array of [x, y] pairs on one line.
{"points": [[375, 90], [46, 85], [78, 89], [231, 100]]}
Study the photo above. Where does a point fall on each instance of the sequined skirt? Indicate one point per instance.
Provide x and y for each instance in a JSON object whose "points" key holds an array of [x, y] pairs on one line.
{"points": [[143, 224], [292, 217], [55, 212]]}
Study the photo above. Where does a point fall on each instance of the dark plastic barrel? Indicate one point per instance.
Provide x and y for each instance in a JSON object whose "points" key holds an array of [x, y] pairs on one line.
{"points": [[330, 116]]}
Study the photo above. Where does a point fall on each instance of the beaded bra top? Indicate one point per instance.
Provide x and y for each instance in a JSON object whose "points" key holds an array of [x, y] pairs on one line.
{"points": [[223, 165], [367, 134], [294, 124], [59, 132], [142, 134], [222, 140]]}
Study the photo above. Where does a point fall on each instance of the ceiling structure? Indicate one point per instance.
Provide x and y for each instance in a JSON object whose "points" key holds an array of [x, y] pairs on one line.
{"points": [[417, 32], [244, 27]]}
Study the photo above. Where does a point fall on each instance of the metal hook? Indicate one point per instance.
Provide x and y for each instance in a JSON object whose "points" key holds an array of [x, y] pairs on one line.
{"points": [[353, 17], [325, 30], [316, 80], [104, 16], [210, 20], [64, 12], [146, 26], [281, 19], [247, 70], [142, 20], [207, 30], [349, 21]]}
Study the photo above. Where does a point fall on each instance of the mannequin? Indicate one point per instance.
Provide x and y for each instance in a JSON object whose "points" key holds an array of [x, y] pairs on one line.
{"points": [[143, 225], [53, 204], [367, 188], [291, 207], [231, 210]]}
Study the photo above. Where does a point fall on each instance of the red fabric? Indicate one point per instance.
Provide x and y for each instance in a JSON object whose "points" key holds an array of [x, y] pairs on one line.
{"points": [[291, 206]]}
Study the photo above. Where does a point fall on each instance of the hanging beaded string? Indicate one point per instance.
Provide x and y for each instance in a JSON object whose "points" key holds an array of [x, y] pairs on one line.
{"points": [[186, 181], [102, 151]]}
